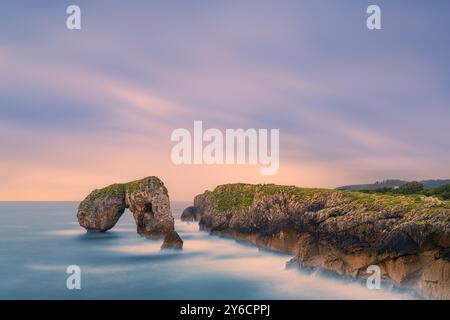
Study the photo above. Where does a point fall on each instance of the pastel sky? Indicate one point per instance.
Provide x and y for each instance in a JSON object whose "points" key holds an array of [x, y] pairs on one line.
{"points": [[83, 109]]}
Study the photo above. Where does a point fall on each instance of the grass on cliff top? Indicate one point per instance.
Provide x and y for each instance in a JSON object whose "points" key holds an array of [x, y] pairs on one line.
{"points": [[235, 196], [113, 191], [240, 195], [120, 189], [153, 182]]}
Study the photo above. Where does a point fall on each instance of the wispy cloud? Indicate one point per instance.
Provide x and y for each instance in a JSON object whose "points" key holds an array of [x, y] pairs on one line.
{"points": [[78, 110]]}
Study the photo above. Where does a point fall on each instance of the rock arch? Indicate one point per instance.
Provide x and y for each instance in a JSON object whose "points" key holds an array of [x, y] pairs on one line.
{"points": [[147, 199]]}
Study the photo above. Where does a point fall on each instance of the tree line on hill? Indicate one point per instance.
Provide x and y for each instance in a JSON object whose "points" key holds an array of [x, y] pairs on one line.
{"points": [[414, 187]]}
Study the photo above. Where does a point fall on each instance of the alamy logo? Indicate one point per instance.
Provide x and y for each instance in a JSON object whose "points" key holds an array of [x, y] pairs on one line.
{"points": [[227, 148], [73, 21], [374, 280], [374, 20], [74, 280]]}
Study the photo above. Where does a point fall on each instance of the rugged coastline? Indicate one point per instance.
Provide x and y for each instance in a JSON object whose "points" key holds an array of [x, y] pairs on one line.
{"points": [[408, 237]]}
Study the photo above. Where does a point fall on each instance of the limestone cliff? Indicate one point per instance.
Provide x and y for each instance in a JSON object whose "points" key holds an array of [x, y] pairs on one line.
{"points": [[147, 199], [408, 237]]}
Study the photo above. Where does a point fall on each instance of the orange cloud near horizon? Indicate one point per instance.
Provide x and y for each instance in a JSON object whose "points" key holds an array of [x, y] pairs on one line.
{"points": [[60, 181]]}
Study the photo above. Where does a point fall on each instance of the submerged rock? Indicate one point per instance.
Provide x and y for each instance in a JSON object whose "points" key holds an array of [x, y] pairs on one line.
{"points": [[340, 231], [190, 214], [147, 199], [172, 240]]}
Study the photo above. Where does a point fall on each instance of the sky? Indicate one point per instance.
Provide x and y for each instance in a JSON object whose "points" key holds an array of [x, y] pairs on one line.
{"points": [[81, 109]]}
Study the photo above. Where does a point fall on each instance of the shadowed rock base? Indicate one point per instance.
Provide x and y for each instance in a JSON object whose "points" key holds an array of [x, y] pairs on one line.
{"points": [[172, 240]]}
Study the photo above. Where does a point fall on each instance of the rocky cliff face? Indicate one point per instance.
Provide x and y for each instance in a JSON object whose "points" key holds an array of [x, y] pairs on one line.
{"points": [[147, 199], [408, 237]]}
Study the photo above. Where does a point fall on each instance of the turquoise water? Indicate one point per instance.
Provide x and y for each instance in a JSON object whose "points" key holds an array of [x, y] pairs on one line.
{"points": [[39, 240]]}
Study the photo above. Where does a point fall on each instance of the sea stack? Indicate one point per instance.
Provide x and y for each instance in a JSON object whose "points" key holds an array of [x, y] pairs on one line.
{"points": [[172, 240], [147, 199], [190, 214]]}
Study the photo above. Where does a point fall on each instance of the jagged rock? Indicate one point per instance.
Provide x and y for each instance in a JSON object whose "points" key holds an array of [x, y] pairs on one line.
{"points": [[190, 214], [400, 242], [406, 236], [147, 199], [172, 240]]}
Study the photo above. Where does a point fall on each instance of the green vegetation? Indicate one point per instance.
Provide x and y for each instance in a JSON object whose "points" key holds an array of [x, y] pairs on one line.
{"points": [[112, 191], [119, 190], [152, 182], [414, 188], [240, 196], [442, 192], [234, 196], [410, 188]]}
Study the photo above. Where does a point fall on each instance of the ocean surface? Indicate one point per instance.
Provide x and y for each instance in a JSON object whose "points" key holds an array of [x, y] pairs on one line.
{"points": [[39, 240]]}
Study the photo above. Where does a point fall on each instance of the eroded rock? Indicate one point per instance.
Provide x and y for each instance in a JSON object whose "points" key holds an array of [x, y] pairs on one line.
{"points": [[190, 214], [102, 208], [172, 240], [147, 199], [344, 232]]}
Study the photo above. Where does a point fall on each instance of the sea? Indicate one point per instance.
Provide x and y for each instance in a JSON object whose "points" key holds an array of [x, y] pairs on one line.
{"points": [[40, 241]]}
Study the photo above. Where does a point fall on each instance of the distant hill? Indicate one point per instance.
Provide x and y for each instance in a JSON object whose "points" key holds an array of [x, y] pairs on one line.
{"points": [[428, 184]]}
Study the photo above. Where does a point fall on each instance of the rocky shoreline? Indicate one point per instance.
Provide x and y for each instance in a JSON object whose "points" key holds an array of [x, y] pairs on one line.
{"points": [[407, 237]]}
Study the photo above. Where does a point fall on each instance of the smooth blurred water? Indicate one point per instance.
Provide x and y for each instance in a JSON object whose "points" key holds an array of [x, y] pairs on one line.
{"points": [[39, 240]]}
